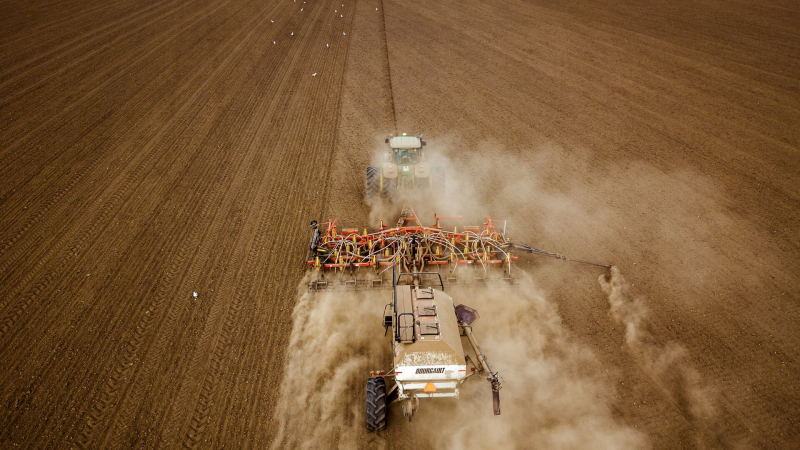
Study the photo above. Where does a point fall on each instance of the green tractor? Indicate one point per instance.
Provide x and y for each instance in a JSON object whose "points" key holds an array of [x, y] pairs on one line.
{"points": [[404, 172]]}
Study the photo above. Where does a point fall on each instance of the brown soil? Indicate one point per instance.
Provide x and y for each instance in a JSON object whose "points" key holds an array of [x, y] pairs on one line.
{"points": [[156, 149]]}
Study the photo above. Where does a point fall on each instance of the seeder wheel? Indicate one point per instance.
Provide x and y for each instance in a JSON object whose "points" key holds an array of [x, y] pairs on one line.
{"points": [[409, 407]]}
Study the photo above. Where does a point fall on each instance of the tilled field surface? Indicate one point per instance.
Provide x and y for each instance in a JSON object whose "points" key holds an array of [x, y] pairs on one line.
{"points": [[152, 150]]}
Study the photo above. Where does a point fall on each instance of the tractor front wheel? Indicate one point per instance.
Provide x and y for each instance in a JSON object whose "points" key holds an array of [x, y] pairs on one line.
{"points": [[376, 403]]}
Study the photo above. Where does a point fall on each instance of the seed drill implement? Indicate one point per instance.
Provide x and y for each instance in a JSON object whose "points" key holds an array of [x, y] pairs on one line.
{"points": [[433, 345]]}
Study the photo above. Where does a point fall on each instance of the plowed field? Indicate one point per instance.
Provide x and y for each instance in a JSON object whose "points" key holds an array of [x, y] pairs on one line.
{"points": [[153, 150]]}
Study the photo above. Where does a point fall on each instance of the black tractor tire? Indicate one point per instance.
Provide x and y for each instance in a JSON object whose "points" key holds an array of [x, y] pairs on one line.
{"points": [[376, 404], [438, 179], [389, 188], [373, 184]]}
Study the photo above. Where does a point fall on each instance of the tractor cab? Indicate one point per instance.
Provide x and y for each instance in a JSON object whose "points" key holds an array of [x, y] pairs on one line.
{"points": [[406, 157], [404, 150]]}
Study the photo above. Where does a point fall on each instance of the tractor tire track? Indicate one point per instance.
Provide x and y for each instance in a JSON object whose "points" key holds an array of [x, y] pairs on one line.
{"points": [[136, 348], [388, 64], [198, 424], [156, 152], [254, 363]]}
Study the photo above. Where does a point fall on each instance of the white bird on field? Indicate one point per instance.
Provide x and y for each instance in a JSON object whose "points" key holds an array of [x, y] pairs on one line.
{"points": [[344, 34], [194, 294], [327, 45], [314, 74], [376, 9], [301, 9], [292, 34], [341, 15], [271, 21], [273, 42]]}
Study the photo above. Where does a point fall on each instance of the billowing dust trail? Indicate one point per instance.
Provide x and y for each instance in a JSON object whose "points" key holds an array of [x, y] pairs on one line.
{"points": [[667, 364], [556, 393], [334, 337]]}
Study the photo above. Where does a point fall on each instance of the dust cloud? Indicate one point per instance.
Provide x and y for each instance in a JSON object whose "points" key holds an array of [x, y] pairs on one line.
{"points": [[613, 211], [557, 392], [333, 346], [667, 364]]}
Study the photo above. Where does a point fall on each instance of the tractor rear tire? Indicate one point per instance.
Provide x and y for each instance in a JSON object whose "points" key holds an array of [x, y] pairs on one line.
{"points": [[422, 186], [389, 189], [373, 184], [376, 403], [438, 179]]}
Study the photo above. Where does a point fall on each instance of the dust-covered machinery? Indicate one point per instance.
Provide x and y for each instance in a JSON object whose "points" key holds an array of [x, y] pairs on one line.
{"points": [[429, 333], [405, 170], [340, 258], [348, 258]]}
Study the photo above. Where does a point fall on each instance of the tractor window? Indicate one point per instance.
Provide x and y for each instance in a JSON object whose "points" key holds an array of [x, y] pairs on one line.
{"points": [[407, 156]]}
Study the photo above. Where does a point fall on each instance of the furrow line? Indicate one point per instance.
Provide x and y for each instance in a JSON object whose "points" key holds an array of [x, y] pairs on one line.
{"points": [[201, 254], [57, 24], [201, 417], [21, 249], [288, 275], [10, 151], [92, 49], [115, 388], [64, 49], [125, 186]]}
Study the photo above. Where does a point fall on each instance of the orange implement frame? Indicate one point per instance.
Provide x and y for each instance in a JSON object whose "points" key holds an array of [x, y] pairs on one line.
{"points": [[410, 244]]}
